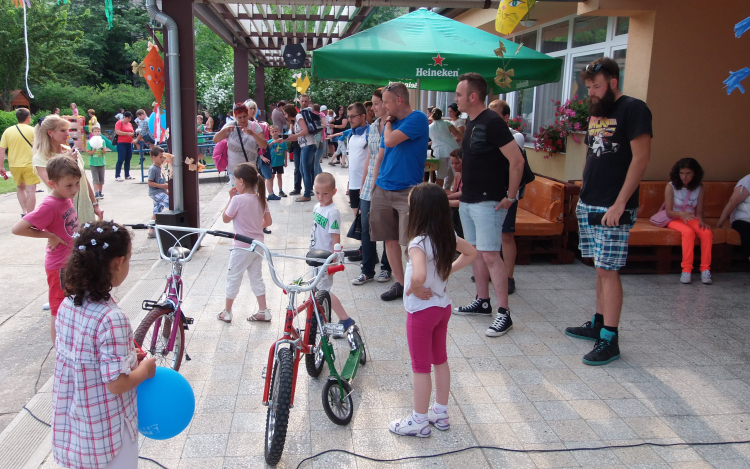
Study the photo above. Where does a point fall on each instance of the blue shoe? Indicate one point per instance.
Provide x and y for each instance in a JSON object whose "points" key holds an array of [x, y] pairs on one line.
{"points": [[347, 324], [273, 197]]}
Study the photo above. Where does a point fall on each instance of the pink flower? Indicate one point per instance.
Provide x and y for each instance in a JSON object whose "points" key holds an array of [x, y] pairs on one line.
{"points": [[577, 126], [575, 96]]}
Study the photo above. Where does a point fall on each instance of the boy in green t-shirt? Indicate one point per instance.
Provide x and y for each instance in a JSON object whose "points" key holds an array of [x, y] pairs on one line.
{"points": [[96, 162], [278, 150]]}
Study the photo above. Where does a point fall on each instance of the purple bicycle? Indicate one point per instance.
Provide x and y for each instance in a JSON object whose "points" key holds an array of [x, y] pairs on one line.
{"points": [[161, 334]]}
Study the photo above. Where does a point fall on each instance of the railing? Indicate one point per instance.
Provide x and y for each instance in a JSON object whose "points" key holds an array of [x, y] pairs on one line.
{"points": [[204, 150]]}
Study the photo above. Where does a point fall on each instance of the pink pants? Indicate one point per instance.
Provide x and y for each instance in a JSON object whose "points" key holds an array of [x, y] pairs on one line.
{"points": [[426, 333], [688, 230]]}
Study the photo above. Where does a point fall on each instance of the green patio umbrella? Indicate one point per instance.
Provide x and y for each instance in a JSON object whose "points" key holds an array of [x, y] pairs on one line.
{"points": [[429, 51]]}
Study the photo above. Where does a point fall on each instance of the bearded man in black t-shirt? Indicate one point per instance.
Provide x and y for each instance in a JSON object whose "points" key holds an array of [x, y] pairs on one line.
{"points": [[619, 141]]}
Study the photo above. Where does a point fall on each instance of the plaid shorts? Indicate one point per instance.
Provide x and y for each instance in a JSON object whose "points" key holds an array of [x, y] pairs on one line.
{"points": [[608, 245], [161, 202]]}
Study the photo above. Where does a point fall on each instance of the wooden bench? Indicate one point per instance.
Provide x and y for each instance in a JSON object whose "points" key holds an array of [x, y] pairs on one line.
{"points": [[659, 250], [546, 216]]}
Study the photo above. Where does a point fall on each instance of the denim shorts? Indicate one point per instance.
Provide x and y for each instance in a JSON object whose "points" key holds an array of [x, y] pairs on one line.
{"points": [[483, 225], [608, 245], [265, 168]]}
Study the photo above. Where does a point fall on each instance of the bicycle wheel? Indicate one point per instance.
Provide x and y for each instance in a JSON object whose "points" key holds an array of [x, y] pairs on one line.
{"points": [[340, 411], [279, 403], [360, 343], [145, 332], [315, 360]]}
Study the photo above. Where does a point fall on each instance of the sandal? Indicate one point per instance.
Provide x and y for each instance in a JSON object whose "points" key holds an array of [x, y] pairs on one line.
{"points": [[225, 316], [261, 316]]}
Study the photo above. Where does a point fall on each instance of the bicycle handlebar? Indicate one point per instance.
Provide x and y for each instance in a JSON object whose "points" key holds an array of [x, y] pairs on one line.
{"points": [[335, 268]]}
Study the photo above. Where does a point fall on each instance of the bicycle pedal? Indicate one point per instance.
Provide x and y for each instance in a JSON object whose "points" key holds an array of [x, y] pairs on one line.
{"points": [[330, 329], [186, 320], [148, 305], [187, 357]]}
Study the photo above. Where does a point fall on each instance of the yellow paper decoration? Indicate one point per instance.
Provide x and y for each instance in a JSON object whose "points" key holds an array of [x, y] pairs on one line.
{"points": [[510, 13], [500, 51], [502, 79]]}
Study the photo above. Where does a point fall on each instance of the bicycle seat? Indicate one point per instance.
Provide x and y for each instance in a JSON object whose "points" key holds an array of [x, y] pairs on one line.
{"points": [[178, 252], [317, 254]]}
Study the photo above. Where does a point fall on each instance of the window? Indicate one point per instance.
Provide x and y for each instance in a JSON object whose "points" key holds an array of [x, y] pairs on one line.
{"points": [[524, 107], [619, 56], [555, 38], [577, 86], [546, 97], [623, 25], [589, 30], [528, 39]]}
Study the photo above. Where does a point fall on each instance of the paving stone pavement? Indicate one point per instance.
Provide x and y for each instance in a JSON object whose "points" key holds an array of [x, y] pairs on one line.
{"points": [[683, 376]]}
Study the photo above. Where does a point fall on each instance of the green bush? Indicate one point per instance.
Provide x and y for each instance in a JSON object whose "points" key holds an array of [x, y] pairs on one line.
{"points": [[7, 119], [106, 100]]}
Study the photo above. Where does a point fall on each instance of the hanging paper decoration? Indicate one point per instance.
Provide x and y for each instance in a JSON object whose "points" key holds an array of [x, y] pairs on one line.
{"points": [[294, 55], [502, 79], [109, 12], [733, 82], [510, 13], [742, 27], [152, 69], [20, 3]]}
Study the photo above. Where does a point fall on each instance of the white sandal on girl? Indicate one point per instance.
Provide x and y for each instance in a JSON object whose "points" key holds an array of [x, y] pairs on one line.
{"points": [[261, 316], [225, 316]]}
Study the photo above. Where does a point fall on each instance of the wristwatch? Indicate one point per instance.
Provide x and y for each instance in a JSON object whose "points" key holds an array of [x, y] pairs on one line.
{"points": [[95, 204], [512, 199]]}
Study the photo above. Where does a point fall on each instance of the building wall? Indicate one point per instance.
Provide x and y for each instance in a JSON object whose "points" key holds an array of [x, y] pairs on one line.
{"points": [[679, 54]]}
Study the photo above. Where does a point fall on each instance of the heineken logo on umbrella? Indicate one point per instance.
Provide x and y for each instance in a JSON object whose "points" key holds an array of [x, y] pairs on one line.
{"points": [[429, 72]]}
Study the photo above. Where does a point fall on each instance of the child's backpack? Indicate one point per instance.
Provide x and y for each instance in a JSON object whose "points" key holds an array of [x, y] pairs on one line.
{"points": [[221, 158], [312, 119]]}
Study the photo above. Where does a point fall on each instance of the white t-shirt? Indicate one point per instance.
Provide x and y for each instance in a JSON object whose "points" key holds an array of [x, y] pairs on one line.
{"points": [[235, 155], [440, 298], [459, 123], [742, 212], [326, 222], [679, 199], [519, 138], [304, 140], [443, 142], [358, 152], [247, 215]]}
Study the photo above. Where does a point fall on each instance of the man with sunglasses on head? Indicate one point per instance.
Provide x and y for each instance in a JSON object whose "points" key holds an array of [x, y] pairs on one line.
{"points": [[405, 136], [619, 141]]}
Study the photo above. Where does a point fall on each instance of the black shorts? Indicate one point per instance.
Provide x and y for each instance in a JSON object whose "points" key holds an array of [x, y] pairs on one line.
{"points": [[277, 170], [509, 225], [354, 198]]}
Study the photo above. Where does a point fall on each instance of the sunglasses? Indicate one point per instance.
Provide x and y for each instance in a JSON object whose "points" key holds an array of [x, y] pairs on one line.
{"points": [[353, 116], [239, 106], [391, 87], [596, 68]]}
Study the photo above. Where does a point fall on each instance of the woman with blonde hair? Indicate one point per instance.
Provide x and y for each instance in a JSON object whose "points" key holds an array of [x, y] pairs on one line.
{"points": [[50, 140]]}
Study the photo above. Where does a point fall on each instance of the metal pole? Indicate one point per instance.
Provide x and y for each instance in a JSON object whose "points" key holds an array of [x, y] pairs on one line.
{"points": [[175, 122]]}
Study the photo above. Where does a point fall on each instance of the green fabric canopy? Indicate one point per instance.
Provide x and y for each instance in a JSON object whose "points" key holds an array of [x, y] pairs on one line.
{"points": [[433, 49]]}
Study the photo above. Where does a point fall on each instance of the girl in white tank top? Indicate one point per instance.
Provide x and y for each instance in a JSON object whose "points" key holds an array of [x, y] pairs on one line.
{"points": [[683, 200]]}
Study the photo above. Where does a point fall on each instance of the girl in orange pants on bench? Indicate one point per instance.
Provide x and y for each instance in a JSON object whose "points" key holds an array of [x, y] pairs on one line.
{"points": [[685, 193]]}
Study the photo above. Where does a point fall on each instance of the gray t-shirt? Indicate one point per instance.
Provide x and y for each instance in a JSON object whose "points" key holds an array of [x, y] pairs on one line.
{"points": [[154, 174]]}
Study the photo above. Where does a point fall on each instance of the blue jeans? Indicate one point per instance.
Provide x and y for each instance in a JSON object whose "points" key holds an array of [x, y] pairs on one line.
{"points": [[318, 156], [124, 154], [483, 225], [370, 248], [307, 168], [297, 172]]}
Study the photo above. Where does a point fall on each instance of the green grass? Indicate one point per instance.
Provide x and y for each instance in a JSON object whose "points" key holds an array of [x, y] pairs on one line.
{"points": [[7, 186]]}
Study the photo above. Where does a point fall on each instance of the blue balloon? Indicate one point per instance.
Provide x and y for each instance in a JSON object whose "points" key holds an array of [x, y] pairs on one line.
{"points": [[166, 404], [162, 119]]}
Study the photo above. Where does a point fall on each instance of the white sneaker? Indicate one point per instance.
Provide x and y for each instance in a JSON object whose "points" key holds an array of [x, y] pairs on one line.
{"points": [[361, 280], [706, 277], [408, 427], [384, 276], [120, 179], [440, 421], [686, 277], [45, 307]]}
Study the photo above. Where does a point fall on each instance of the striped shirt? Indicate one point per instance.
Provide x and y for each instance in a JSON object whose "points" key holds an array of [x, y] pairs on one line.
{"points": [[374, 145]]}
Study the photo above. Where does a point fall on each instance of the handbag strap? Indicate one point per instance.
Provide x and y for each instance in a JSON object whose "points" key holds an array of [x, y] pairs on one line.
{"points": [[239, 134], [24, 137], [687, 199]]}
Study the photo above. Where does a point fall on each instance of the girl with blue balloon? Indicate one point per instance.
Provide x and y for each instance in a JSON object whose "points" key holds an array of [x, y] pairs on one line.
{"points": [[97, 371]]}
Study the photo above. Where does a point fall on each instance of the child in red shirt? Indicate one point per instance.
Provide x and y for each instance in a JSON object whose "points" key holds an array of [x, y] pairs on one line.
{"points": [[57, 221]]}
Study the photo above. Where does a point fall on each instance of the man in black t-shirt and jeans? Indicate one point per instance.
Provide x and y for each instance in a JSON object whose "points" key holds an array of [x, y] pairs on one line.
{"points": [[491, 157], [619, 141]]}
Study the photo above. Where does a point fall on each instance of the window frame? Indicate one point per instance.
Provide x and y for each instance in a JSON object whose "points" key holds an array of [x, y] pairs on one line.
{"points": [[611, 44]]}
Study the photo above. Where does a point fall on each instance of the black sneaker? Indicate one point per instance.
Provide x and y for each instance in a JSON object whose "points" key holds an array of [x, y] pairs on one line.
{"points": [[511, 285], [589, 331], [606, 349], [502, 323], [282, 194], [475, 308], [395, 292], [295, 192], [356, 258]]}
